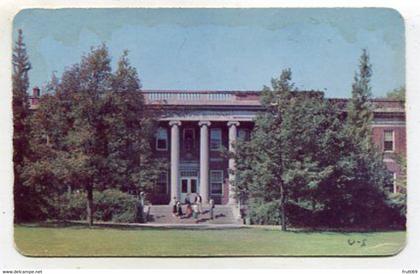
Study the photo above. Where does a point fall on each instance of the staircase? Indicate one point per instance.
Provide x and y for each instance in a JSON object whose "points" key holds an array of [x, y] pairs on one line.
{"points": [[162, 214]]}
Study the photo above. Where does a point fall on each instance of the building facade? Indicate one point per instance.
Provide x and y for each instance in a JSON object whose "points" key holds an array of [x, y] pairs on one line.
{"points": [[198, 127]]}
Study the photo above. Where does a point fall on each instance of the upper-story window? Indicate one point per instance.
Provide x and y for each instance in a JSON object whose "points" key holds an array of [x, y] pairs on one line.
{"points": [[389, 142], [162, 139], [189, 139], [215, 139]]}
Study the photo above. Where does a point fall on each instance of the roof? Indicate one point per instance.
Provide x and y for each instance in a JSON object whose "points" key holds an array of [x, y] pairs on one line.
{"points": [[236, 99], [245, 98]]}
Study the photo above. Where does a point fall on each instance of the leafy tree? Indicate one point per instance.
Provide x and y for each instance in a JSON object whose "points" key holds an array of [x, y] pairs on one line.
{"points": [[397, 94], [21, 112], [93, 131], [304, 156], [283, 163], [86, 138], [398, 200], [44, 172], [402, 179], [129, 130]]}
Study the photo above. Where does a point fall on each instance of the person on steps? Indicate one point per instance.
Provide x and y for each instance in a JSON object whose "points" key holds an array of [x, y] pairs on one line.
{"points": [[187, 200], [195, 212], [211, 204], [174, 207], [188, 211], [199, 201], [179, 209]]}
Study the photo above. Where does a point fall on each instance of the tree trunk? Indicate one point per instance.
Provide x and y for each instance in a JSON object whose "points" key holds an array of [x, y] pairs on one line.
{"points": [[282, 210], [89, 205]]}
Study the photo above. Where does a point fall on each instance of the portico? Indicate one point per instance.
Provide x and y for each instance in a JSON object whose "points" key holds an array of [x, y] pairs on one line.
{"points": [[196, 129], [184, 177]]}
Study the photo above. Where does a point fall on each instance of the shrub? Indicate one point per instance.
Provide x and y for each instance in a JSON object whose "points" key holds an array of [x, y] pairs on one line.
{"points": [[299, 216], [72, 206], [108, 205], [266, 213], [384, 217]]}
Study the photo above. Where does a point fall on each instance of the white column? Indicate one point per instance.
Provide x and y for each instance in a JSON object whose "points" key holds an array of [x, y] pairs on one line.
{"points": [[232, 140], [204, 160], [174, 159]]}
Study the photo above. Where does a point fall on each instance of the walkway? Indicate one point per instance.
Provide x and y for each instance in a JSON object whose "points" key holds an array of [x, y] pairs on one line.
{"points": [[223, 215]]}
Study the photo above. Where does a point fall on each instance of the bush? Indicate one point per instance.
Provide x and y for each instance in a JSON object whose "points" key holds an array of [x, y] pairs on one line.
{"points": [[384, 217], [298, 216], [264, 213], [108, 205]]}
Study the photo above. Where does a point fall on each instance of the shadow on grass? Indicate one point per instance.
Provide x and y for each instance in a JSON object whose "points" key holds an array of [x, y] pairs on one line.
{"points": [[80, 225], [192, 226]]}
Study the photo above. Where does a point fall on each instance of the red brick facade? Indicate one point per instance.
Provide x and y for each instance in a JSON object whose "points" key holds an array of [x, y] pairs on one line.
{"points": [[222, 107]]}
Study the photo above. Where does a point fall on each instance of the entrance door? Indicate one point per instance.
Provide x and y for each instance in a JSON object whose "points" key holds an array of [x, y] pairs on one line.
{"points": [[188, 185]]}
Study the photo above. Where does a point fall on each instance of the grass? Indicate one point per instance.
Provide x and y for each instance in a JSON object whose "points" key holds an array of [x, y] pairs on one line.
{"points": [[100, 241]]}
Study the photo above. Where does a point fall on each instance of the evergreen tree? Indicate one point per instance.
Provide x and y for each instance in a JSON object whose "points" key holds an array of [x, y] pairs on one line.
{"points": [[20, 81], [360, 114], [364, 175]]}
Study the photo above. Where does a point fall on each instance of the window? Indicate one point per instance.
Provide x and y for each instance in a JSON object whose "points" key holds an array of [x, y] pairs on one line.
{"points": [[189, 139], [216, 182], [388, 140], [215, 139], [162, 139], [189, 173], [244, 134], [162, 183]]}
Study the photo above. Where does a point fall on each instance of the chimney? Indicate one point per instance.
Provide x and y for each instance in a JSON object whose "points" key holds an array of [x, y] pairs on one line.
{"points": [[36, 92]]}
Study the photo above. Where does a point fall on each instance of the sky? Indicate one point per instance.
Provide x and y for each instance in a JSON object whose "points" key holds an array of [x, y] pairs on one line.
{"points": [[223, 49]]}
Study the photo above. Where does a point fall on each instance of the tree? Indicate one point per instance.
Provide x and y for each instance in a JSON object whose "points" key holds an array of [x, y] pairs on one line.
{"points": [[93, 131], [283, 163], [397, 201], [44, 172], [308, 157], [397, 94], [129, 130], [86, 138], [360, 114], [364, 176], [20, 81]]}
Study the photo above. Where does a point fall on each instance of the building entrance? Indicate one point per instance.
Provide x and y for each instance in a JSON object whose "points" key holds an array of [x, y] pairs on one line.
{"points": [[189, 185]]}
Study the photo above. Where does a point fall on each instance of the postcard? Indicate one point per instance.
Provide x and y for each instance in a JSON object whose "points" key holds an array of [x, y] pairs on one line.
{"points": [[209, 132]]}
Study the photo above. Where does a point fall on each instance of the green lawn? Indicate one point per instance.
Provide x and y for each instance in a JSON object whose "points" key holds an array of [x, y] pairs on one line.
{"points": [[99, 241]]}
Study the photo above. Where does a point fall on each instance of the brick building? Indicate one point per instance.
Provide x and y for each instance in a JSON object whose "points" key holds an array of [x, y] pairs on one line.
{"points": [[196, 125]]}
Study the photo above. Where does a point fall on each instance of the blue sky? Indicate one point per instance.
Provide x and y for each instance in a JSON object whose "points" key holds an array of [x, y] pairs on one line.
{"points": [[224, 49]]}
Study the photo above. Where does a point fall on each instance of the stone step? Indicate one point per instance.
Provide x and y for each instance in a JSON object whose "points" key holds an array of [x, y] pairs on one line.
{"points": [[162, 214]]}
